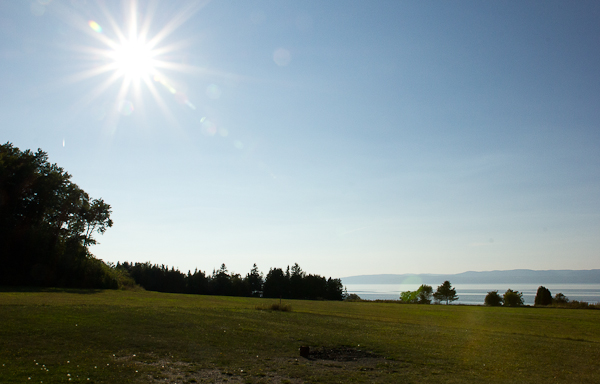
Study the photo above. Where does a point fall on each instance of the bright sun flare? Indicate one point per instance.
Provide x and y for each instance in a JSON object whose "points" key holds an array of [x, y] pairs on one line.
{"points": [[127, 53], [133, 59]]}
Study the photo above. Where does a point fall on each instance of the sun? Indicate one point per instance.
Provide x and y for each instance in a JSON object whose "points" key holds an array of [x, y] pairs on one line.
{"points": [[134, 60], [133, 56]]}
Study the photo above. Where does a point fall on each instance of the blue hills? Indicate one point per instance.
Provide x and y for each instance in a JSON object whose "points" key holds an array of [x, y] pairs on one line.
{"points": [[514, 276]]}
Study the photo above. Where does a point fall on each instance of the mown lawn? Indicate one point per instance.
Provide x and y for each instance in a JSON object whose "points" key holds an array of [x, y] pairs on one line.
{"points": [[56, 336]]}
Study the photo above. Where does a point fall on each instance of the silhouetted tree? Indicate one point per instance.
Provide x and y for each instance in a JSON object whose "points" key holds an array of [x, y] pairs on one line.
{"points": [[47, 223], [445, 292], [493, 299], [157, 277], [335, 289], [315, 287], [276, 284], [239, 286], [221, 283], [196, 283], [297, 277], [543, 296], [255, 281]]}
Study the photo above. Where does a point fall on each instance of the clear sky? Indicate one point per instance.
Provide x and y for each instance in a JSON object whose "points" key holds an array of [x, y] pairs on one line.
{"points": [[351, 137]]}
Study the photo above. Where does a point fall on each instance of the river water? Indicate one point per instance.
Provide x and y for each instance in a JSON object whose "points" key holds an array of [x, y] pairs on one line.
{"points": [[474, 294]]}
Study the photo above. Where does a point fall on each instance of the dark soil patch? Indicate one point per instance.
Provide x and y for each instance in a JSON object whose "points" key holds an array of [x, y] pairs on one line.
{"points": [[340, 354]]}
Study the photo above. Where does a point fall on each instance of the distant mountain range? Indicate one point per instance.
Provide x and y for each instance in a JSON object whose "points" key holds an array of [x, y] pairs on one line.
{"points": [[515, 276]]}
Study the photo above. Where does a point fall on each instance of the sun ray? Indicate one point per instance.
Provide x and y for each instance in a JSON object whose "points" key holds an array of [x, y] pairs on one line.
{"points": [[162, 105], [181, 17], [129, 56], [88, 73], [90, 96], [133, 17], [147, 20], [112, 23], [173, 47]]}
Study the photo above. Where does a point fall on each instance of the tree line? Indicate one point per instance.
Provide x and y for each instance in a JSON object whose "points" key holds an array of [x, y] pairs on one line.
{"points": [[294, 283], [424, 294], [543, 297], [446, 293], [48, 223]]}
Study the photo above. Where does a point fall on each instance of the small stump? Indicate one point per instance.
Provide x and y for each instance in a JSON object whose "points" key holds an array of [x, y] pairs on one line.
{"points": [[304, 351]]}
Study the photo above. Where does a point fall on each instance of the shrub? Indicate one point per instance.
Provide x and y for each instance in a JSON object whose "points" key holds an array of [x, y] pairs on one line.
{"points": [[353, 297], [493, 299], [513, 298], [561, 299]]}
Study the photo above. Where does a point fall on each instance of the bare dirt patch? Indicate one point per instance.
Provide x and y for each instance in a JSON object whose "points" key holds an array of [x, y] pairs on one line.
{"points": [[321, 360], [341, 354], [167, 371]]}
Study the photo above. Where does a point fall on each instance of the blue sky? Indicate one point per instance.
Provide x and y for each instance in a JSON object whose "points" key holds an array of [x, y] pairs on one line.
{"points": [[351, 137]]}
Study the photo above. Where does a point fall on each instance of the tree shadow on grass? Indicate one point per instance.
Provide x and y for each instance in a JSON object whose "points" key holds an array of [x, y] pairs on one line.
{"points": [[81, 291]]}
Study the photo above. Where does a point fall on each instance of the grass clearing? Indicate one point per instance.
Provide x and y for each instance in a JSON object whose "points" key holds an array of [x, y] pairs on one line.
{"points": [[149, 337]]}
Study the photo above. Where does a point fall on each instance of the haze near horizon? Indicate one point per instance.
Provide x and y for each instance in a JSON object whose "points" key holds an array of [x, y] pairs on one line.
{"points": [[349, 137]]}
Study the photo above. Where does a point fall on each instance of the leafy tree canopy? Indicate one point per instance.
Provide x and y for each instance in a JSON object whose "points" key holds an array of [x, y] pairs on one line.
{"points": [[46, 223], [421, 296]]}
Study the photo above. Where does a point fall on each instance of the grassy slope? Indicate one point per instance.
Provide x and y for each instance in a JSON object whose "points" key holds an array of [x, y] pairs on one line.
{"points": [[47, 336]]}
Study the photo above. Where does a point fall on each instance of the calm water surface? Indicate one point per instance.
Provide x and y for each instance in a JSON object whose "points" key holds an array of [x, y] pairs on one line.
{"points": [[475, 293]]}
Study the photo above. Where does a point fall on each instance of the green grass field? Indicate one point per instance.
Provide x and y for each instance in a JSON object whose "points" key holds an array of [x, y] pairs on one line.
{"points": [[82, 336]]}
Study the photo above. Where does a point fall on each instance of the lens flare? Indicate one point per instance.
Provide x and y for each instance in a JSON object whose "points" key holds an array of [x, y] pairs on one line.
{"points": [[179, 96], [125, 107], [95, 26], [213, 91]]}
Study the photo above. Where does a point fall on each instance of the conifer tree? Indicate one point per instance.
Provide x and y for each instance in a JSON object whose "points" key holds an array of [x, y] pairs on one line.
{"points": [[445, 292]]}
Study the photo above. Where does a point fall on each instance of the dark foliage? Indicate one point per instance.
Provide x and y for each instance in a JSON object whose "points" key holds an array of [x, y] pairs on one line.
{"points": [[575, 304], [493, 299], [352, 297], [445, 292], [543, 296], [513, 298], [276, 285], [559, 298], [46, 225], [255, 281], [299, 285]]}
